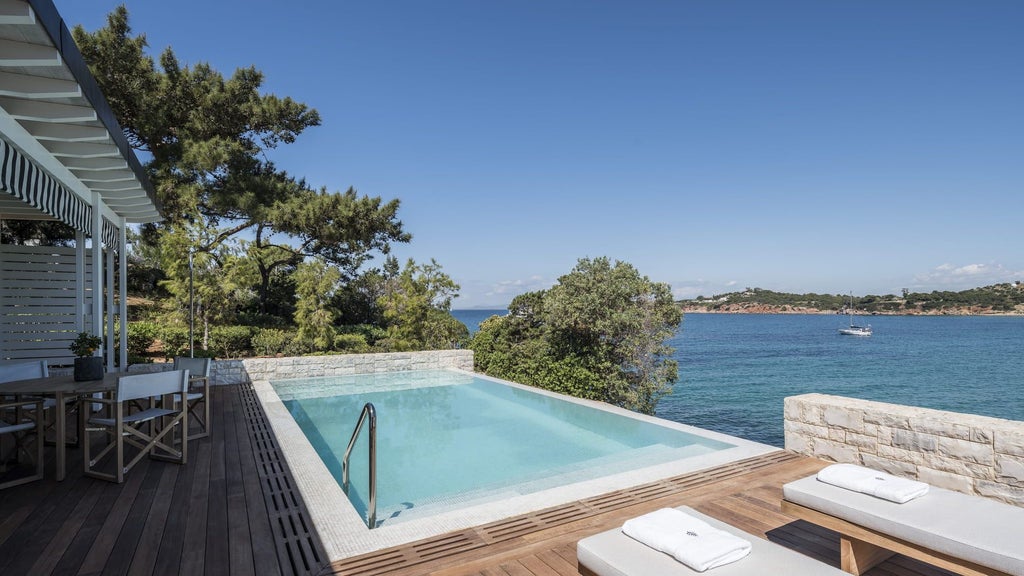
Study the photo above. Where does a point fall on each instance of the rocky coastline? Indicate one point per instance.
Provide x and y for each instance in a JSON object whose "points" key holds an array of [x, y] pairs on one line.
{"points": [[755, 308]]}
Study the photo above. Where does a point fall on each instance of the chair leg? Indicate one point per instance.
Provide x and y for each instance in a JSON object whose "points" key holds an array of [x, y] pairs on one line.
{"points": [[20, 447], [203, 421]]}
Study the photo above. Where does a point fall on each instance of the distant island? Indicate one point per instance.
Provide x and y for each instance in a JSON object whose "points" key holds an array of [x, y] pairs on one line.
{"points": [[998, 299]]}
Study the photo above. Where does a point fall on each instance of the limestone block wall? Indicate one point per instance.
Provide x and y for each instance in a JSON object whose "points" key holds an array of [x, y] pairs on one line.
{"points": [[252, 369], [963, 452]]}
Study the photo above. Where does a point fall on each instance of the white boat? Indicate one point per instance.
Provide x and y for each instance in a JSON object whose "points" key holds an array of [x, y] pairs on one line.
{"points": [[853, 329]]}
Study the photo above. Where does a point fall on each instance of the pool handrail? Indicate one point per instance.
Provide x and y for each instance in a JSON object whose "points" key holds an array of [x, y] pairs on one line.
{"points": [[368, 412]]}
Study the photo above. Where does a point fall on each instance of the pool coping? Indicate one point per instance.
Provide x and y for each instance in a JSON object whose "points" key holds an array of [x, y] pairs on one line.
{"points": [[344, 534]]}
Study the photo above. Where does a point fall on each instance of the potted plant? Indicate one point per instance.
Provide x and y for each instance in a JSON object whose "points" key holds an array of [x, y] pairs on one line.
{"points": [[87, 366]]}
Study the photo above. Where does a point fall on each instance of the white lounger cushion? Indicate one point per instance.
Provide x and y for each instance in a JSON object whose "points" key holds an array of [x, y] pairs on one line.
{"points": [[981, 530], [612, 553]]}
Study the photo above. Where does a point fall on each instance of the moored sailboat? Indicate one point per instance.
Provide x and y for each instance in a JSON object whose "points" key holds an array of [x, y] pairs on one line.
{"points": [[854, 329]]}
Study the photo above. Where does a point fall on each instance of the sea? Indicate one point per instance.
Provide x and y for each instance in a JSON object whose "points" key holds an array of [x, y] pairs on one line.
{"points": [[736, 369]]}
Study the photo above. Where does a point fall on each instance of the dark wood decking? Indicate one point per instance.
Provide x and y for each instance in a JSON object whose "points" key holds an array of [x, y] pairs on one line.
{"points": [[233, 510], [230, 510]]}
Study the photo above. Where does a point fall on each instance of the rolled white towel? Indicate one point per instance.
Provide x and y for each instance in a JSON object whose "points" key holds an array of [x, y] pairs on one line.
{"points": [[873, 482], [689, 540]]}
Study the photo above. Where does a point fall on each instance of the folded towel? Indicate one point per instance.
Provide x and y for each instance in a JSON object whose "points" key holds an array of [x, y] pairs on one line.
{"points": [[690, 540], [873, 482]]}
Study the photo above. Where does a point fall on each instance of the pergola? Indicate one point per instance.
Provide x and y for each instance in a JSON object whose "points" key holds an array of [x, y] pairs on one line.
{"points": [[63, 157]]}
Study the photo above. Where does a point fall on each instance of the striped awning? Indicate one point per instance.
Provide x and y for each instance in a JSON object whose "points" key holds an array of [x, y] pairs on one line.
{"points": [[22, 179]]}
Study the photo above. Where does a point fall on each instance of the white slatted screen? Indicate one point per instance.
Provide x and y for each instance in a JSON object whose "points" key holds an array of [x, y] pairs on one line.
{"points": [[38, 317]]}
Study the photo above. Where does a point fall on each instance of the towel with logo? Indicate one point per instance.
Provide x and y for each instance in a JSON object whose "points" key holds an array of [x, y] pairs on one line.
{"points": [[873, 482], [689, 540]]}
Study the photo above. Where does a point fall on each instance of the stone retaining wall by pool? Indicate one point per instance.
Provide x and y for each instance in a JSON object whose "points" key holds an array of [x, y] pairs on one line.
{"points": [[253, 369], [963, 452]]}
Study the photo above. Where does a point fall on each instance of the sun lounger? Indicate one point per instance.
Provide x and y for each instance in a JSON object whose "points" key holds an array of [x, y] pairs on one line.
{"points": [[967, 534], [612, 553]]}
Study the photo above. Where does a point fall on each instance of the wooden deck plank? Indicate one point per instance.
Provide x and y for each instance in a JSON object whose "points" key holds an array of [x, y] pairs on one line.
{"points": [[168, 560], [126, 545], [218, 559], [240, 553], [148, 546], [43, 530], [51, 555]]}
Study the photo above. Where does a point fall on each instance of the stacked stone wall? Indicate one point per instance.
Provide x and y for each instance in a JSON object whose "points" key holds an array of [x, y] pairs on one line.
{"points": [[963, 452], [252, 369]]}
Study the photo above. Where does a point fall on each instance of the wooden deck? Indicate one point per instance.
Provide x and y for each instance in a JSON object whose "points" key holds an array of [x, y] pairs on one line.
{"points": [[233, 510]]}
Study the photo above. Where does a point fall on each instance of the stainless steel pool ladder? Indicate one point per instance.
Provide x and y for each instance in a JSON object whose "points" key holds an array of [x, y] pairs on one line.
{"points": [[369, 412]]}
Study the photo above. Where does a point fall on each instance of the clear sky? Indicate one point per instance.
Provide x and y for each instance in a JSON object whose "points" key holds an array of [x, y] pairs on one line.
{"points": [[796, 146]]}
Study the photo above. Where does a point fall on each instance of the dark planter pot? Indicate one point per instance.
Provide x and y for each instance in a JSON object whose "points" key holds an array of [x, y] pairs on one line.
{"points": [[90, 368]]}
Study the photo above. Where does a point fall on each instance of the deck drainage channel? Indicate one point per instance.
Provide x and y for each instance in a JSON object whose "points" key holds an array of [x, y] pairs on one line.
{"points": [[297, 545]]}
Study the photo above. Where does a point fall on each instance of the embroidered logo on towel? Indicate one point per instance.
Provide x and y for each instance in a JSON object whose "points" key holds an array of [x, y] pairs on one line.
{"points": [[689, 533], [879, 478]]}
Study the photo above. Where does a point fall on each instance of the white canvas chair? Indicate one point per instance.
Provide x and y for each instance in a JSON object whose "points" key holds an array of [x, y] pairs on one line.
{"points": [[23, 371], [124, 427], [30, 370], [20, 421], [198, 394]]}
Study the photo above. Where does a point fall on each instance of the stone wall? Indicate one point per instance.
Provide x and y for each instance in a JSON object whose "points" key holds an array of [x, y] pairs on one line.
{"points": [[963, 452], [252, 369]]}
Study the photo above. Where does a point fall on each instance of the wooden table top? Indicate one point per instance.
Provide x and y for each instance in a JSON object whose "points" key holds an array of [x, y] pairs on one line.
{"points": [[65, 384]]}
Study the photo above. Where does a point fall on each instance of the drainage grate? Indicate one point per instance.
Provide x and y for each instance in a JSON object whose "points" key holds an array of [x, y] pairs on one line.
{"points": [[407, 555], [297, 546]]}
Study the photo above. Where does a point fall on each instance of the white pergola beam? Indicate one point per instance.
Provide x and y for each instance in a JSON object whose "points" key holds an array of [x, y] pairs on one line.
{"points": [[39, 87], [49, 132], [96, 164], [23, 54], [82, 150], [107, 177], [16, 12], [47, 111]]}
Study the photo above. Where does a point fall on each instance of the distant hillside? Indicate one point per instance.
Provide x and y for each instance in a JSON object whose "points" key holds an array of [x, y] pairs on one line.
{"points": [[996, 299]]}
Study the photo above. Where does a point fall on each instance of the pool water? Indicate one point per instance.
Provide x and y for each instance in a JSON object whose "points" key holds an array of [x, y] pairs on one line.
{"points": [[449, 439]]}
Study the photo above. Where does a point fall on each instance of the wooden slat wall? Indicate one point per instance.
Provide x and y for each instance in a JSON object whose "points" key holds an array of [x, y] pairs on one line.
{"points": [[37, 302]]}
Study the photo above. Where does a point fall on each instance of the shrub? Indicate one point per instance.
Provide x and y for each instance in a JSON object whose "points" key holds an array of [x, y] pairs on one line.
{"points": [[230, 341], [354, 343], [141, 336], [271, 341], [175, 340]]}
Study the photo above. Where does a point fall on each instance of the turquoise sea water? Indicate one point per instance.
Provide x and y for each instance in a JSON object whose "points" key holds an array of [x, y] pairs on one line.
{"points": [[736, 369]]}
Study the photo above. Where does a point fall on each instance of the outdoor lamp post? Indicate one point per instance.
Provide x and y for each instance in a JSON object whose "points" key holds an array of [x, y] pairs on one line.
{"points": [[191, 306]]}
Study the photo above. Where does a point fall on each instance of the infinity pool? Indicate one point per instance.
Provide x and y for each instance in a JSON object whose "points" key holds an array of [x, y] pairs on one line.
{"points": [[447, 439]]}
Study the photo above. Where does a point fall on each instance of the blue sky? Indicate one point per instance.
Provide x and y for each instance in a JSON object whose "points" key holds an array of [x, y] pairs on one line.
{"points": [[791, 145]]}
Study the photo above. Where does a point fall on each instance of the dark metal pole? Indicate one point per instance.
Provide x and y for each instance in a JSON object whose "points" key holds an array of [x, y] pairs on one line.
{"points": [[191, 308]]}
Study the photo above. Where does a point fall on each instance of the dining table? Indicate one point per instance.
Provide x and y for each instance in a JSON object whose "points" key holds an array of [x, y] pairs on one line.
{"points": [[61, 388]]}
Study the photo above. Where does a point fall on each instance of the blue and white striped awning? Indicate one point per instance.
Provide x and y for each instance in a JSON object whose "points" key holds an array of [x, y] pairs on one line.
{"points": [[21, 178]]}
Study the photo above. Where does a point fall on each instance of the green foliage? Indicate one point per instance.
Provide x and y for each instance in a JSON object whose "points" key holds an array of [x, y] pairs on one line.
{"points": [[599, 333], [315, 284], [271, 341], [416, 306], [141, 336], [230, 341], [174, 339], [368, 332], [85, 344], [354, 343]]}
